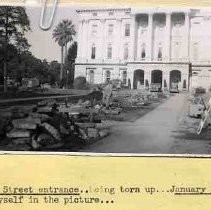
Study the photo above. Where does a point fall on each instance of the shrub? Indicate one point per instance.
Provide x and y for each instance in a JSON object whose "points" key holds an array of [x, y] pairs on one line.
{"points": [[80, 83], [200, 90]]}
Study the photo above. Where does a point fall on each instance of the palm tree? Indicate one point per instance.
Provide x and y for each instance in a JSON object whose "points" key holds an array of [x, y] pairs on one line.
{"points": [[63, 34]]}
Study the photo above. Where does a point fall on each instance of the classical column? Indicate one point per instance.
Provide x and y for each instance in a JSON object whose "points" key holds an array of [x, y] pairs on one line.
{"points": [[166, 78], [130, 76], [86, 40], [147, 76], [80, 40], [102, 38], [150, 38], [168, 36], [133, 37], [118, 38], [187, 36]]}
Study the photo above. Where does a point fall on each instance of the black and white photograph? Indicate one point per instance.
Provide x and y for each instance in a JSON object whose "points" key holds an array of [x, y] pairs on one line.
{"points": [[94, 79]]}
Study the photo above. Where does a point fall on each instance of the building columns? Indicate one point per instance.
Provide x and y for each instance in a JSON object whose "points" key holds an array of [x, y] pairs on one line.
{"points": [[150, 41], [103, 39], [118, 38], [133, 30], [147, 76], [168, 36], [187, 35], [166, 77], [85, 42], [80, 38]]}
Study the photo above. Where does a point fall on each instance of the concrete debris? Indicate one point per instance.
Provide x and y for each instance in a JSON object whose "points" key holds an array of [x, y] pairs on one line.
{"points": [[53, 124], [135, 99], [21, 141], [15, 133], [196, 106], [26, 123]]}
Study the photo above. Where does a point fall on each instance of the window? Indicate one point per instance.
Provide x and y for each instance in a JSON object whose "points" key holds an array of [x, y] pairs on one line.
{"points": [[94, 29], [107, 76], [124, 77], [93, 51], [143, 51], [160, 52], [109, 51], [110, 29], [111, 13], [127, 29], [126, 51], [94, 13]]}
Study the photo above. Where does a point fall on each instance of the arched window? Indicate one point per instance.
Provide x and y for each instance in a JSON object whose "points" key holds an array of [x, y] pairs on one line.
{"points": [[143, 51], [126, 51], [109, 51], [93, 53], [160, 52]]}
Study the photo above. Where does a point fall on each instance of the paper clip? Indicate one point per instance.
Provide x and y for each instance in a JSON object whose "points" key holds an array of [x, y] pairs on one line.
{"points": [[47, 25]]}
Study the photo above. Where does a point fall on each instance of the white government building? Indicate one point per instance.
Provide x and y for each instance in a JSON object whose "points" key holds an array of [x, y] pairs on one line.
{"points": [[144, 46]]}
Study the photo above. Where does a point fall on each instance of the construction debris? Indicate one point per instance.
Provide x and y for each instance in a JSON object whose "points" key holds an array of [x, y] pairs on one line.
{"points": [[196, 106], [53, 124]]}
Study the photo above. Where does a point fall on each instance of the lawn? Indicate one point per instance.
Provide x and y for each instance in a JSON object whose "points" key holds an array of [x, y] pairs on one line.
{"points": [[13, 93]]}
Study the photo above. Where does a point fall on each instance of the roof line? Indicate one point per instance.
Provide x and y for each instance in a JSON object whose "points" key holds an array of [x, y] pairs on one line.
{"points": [[102, 10]]}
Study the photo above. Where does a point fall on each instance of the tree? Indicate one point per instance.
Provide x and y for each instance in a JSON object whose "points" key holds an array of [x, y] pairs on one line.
{"points": [[14, 22], [63, 34], [70, 61], [21, 44], [54, 69]]}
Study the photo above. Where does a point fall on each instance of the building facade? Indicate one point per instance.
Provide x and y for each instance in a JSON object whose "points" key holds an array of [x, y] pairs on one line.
{"points": [[146, 46]]}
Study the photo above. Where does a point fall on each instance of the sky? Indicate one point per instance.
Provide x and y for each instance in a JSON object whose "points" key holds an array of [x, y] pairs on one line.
{"points": [[42, 44]]}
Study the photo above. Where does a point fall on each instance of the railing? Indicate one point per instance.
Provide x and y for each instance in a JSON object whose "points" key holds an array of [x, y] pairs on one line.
{"points": [[163, 60]]}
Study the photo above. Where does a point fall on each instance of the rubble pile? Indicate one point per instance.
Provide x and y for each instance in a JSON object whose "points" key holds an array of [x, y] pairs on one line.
{"points": [[135, 99], [55, 124], [50, 124], [196, 106]]}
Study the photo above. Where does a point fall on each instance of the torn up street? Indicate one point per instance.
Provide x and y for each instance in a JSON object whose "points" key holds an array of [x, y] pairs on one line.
{"points": [[134, 122], [165, 130]]}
